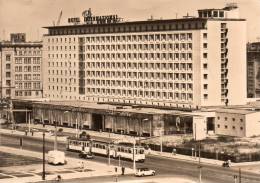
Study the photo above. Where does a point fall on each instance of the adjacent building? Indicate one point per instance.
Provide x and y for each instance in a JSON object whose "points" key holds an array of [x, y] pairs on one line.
{"points": [[253, 70], [181, 63], [21, 68]]}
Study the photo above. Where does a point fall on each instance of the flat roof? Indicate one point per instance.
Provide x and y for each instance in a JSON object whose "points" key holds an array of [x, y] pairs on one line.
{"points": [[113, 108], [147, 22], [236, 111]]}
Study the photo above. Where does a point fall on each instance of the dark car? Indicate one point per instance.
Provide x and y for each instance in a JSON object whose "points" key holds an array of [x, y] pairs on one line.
{"points": [[86, 155]]}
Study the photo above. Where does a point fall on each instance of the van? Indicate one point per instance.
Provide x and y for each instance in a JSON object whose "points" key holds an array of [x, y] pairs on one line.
{"points": [[56, 157]]}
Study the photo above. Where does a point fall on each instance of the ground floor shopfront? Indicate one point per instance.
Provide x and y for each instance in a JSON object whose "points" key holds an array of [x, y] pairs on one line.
{"points": [[129, 120]]}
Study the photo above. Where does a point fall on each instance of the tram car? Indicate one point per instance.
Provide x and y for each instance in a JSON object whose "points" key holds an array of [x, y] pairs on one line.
{"points": [[124, 150]]}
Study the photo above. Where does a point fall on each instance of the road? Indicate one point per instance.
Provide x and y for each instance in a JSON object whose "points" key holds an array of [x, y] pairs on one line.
{"points": [[164, 166]]}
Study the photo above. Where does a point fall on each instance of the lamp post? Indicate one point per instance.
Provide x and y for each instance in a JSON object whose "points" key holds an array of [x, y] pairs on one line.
{"points": [[199, 163], [43, 155], [161, 141], [109, 154], [134, 166]]}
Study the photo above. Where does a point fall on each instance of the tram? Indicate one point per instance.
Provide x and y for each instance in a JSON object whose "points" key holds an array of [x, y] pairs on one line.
{"points": [[115, 150]]}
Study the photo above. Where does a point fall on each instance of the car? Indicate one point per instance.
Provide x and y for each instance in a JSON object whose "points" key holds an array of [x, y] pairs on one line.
{"points": [[56, 157], [140, 172], [86, 155]]}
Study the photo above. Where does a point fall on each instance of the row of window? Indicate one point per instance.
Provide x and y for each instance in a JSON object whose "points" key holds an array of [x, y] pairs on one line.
{"points": [[60, 80], [125, 28], [140, 84], [141, 38], [137, 56], [26, 52], [60, 72], [138, 93], [126, 47], [138, 65], [233, 119], [27, 68], [26, 93], [140, 75], [233, 127], [28, 85], [28, 60], [27, 76]]}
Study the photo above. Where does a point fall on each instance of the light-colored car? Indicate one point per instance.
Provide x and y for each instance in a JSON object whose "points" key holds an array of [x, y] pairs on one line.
{"points": [[140, 172], [56, 157]]}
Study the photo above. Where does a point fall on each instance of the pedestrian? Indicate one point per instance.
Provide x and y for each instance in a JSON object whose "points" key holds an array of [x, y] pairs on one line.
{"points": [[82, 166], [58, 178], [123, 170]]}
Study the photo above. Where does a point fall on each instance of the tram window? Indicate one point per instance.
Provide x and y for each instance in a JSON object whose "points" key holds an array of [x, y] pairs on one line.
{"points": [[141, 151], [129, 151]]}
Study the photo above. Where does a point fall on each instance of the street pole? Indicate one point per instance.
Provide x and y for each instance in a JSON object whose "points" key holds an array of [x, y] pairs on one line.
{"points": [[239, 175], [109, 154], [119, 163], [77, 124], [26, 119], [134, 166], [55, 141], [161, 141], [29, 121], [199, 164], [43, 156]]}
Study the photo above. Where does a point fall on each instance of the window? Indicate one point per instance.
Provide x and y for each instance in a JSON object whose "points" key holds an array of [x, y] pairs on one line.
{"points": [[205, 55], [205, 76], [226, 126], [8, 58], [218, 117], [233, 127], [205, 96], [205, 86], [205, 45], [205, 35], [241, 128], [225, 118], [233, 119], [218, 125], [221, 14], [205, 66], [241, 120], [215, 14]]}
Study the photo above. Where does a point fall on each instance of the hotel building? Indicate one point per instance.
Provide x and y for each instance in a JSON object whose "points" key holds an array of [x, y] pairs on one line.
{"points": [[188, 62], [21, 67]]}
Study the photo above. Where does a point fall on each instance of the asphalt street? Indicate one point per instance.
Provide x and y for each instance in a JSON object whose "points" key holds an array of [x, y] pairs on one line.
{"points": [[164, 166]]}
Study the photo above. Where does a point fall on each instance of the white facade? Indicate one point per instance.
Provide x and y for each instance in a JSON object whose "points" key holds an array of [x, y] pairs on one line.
{"points": [[237, 122], [184, 63]]}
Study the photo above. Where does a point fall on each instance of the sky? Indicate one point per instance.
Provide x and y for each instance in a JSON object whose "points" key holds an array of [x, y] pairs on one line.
{"points": [[29, 16]]}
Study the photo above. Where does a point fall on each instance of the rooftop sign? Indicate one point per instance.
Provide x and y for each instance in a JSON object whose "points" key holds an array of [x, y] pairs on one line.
{"points": [[108, 19]]}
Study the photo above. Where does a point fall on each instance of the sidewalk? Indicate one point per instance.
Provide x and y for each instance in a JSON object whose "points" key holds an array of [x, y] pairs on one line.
{"points": [[71, 170]]}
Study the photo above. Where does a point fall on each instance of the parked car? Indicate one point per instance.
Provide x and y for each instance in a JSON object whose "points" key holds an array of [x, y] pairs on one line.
{"points": [[56, 157], [86, 155], [140, 172]]}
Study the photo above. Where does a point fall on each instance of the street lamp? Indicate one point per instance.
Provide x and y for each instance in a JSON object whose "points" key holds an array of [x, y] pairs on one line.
{"points": [[134, 166], [43, 155]]}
